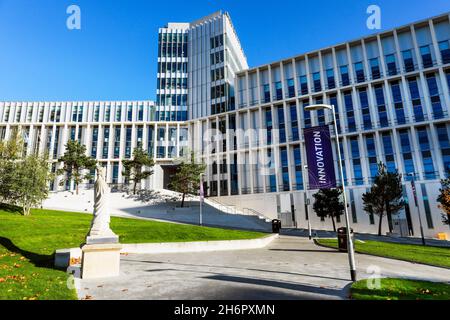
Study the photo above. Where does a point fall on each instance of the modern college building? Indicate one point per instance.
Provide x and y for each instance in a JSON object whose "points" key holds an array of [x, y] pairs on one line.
{"points": [[391, 92]]}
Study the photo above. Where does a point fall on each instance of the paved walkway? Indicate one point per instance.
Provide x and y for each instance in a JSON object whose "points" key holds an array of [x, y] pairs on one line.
{"points": [[367, 237], [291, 268]]}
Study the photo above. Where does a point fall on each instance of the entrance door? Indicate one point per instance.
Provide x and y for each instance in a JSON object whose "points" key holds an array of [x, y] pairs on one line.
{"points": [[169, 172]]}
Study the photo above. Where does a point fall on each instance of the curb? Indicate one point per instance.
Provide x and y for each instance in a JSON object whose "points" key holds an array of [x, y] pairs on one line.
{"points": [[204, 246]]}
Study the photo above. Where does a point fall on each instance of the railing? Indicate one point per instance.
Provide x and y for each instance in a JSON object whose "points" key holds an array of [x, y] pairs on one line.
{"points": [[253, 212], [224, 208], [230, 209]]}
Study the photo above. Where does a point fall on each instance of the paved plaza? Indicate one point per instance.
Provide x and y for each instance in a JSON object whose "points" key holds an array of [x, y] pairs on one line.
{"points": [[290, 268]]}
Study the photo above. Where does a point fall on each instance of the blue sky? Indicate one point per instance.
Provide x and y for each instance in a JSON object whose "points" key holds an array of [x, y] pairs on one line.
{"points": [[113, 56]]}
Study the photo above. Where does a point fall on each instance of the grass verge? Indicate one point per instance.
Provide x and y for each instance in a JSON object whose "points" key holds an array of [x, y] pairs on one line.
{"points": [[27, 245], [401, 289]]}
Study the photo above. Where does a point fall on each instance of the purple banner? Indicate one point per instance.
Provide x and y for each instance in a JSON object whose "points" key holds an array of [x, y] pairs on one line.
{"points": [[320, 158]]}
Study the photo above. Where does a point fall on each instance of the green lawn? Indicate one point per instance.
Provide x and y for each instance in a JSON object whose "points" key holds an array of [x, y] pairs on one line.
{"points": [[27, 245], [414, 253], [401, 289]]}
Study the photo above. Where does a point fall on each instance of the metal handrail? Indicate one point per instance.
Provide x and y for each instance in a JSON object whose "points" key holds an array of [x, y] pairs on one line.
{"points": [[257, 213]]}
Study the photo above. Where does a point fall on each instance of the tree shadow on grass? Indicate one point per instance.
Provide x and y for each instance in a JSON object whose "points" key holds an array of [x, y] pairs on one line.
{"points": [[10, 208], [39, 260]]}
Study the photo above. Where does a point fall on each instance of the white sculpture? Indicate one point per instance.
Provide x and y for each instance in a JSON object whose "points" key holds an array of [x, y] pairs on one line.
{"points": [[100, 230]]}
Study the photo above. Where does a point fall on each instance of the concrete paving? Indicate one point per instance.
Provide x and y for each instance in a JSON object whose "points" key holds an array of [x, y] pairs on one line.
{"points": [[291, 268], [368, 237]]}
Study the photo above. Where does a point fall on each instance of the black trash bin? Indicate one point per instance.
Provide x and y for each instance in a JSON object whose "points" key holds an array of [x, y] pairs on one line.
{"points": [[276, 226], [342, 239]]}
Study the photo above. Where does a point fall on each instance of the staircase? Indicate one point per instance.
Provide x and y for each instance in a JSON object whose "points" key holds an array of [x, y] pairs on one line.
{"points": [[163, 205], [230, 209]]}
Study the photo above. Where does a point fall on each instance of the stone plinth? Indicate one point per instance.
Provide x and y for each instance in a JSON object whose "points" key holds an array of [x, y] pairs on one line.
{"points": [[100, 261]]}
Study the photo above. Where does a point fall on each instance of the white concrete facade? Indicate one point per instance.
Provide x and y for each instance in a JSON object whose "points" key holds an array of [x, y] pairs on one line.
{"points": [[110, 130], [391, 91]]}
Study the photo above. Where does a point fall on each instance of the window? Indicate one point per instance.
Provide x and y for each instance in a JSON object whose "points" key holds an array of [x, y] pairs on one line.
{"points": [[52, 114], [365, 109], [435, 96], [405, 145], [7, 112], [426, 204], [281, 125], [372, 154], [303, 85], [130, 113], [73, 132], [118, 113], [320, 113], [345, 79], [141, 113], [444, 144], [408, 60], [80, 114], [375, 68], [330, 79], [306, 114], [381, 105], [269, 125], [359, 72], [116, 142], [56, 143], [341, 148], [316, 82], [29, 116], [272, 185], [97, 114], [107, 113], [389, 152], [278, 91], [291, 88], [105, 143], [425, 149], [74, 113], [285, 168], [334, 102], [41, 114], [391, 65], [415, 99], [427, 60], [115, 173], [294, 122], [356, 160], [298, 168], [216, 41], [161, 149], [398, 103], [150, 141], [128, 142], [445, 51], [139, 136], [351, 123], [94, 143], [266, 89]]}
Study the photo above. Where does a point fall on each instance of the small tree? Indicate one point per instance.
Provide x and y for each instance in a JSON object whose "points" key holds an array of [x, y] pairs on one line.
{"points": [[11, 151], [328, 204], [444, 200], [76, 163], [32, 177], [187, 178], [134, 168], [385, 197]]}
